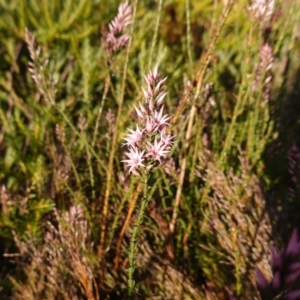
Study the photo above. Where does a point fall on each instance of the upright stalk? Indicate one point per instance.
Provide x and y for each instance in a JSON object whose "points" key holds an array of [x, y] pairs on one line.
{"points": [[134, 237], [148, 147]]}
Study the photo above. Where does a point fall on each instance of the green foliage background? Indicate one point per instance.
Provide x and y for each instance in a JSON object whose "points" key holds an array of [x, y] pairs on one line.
{"points": [[62, 149]]}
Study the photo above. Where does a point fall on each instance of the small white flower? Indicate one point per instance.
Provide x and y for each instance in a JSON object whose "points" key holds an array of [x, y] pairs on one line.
{"points": [[141, 111], [135, 160], [151, 126], [160, 98], [159, 119], [134, 138], [166, 138], [159, 85], [157, 150], [262, 9]]}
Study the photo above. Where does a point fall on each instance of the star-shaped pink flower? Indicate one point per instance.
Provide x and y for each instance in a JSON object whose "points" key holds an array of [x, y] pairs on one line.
{"points": [[160, 119], [135, 160], [134, 138], [157, 150]]}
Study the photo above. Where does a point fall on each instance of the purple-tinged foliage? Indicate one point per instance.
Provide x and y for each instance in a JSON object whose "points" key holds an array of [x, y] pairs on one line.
{"points": [[286, 271], [292, 295], [262, 282]]}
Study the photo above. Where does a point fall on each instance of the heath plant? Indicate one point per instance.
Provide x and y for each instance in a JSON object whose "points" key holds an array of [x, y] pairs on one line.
{"points": [[149, 145], [119, 182]]}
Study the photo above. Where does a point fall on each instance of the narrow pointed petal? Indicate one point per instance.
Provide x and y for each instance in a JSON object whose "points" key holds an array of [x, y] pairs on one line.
{"points": [[155, 71], [276, 280], [139, 112], [146, 95], [151, 104], [159, 85], [160, 98], [262, 282], [293, 246], [276, 259]]}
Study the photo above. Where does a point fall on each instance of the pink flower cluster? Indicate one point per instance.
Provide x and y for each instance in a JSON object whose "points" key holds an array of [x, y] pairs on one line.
{"points": [[114, 38], [262, 9], [150, 143]]}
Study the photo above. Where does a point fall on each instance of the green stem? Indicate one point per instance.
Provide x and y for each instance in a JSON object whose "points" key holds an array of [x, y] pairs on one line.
{"points": [[133, 241]]}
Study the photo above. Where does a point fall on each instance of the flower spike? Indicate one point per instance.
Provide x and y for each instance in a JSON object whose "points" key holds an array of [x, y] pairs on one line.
{"points": [[149, 143]]}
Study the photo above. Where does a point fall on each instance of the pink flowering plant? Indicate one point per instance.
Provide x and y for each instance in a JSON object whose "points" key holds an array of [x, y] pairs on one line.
{"points": [[115, 39], [149, 145]]}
